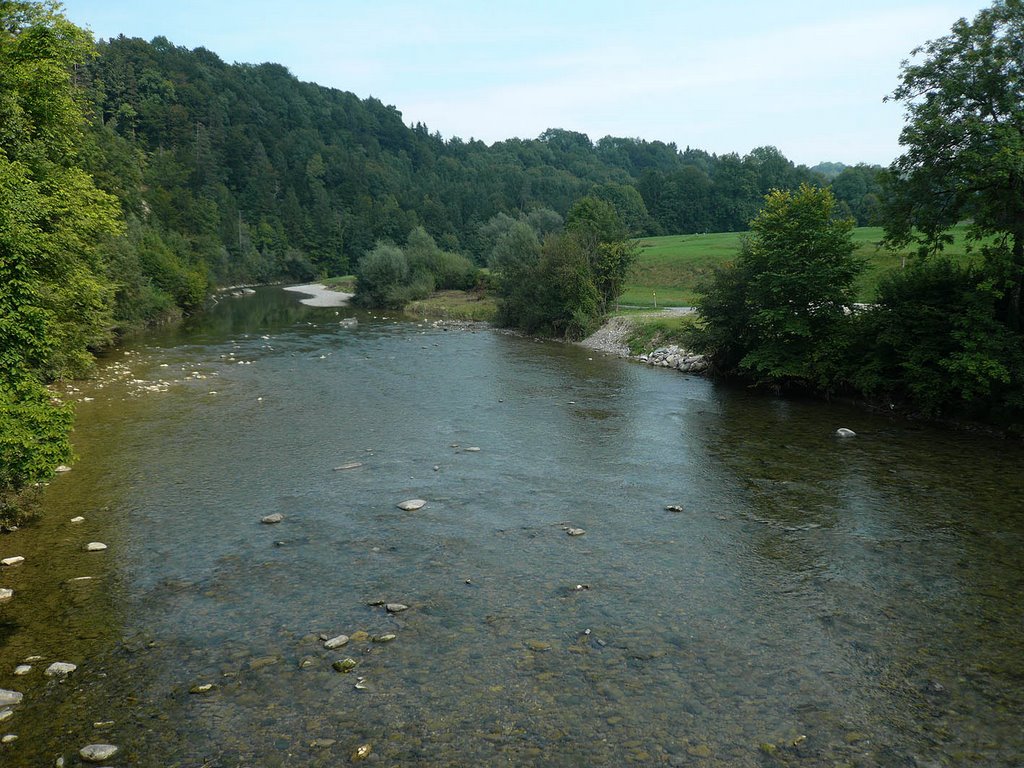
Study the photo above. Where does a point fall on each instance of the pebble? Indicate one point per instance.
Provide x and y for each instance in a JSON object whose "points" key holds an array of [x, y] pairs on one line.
{"points": [[411, 505], [473, 449], [395, 607], [349, 465], [8, 738], [277, 517], [6, 714], [384, 638], [362, 752], [95, 546], [60, 669], [306, 662], [22, 669], [6, 594], [97, 753], [78, 519], [16, 560], [674, 508], [844, 432], [336, 642], [63, 468], [575, 531], [203, 688]]}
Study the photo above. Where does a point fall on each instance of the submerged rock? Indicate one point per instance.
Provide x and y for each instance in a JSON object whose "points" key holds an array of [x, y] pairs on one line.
{"points": [[78, 519], [60, 669], [674, 508], [575, 531], [345, 665], [16, 560], [202, 688], [277, 517], [6, 594], [95, 546], [362, 752], [411, 505], [22, 669], [349, 465], [395, 607], [9, 698], [97, 753], [844, 432], [336, 642]]}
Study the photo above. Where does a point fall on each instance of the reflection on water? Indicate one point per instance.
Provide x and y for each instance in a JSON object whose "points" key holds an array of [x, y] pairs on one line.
{"points": [[817, 602]]}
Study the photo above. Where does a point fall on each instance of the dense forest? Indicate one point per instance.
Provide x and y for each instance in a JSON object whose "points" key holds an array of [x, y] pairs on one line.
{"points": [[241, 173]]}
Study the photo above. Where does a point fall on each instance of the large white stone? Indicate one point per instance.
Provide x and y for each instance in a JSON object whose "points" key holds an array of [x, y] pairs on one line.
{"points": [[60, 669], [412, 505], [16, 560], [8, 698], [277, 517], [97, 753], [336, 642]]}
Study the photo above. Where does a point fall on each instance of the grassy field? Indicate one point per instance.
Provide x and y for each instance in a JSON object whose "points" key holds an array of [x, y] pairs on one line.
{"points": [[454, 305], [669, 268]]}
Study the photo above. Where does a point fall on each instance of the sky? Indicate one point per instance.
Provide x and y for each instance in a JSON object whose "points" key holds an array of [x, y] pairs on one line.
{"points": [[806, 76]]}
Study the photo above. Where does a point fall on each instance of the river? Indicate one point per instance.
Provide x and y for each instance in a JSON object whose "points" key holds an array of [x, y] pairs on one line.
{"points": [[818, 601]]}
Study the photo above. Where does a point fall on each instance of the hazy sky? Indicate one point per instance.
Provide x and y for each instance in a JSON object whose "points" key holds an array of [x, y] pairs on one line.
{"points": [[807, 76]]}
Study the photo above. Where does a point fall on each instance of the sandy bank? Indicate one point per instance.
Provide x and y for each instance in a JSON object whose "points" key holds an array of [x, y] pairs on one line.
{"points": [[321, 295]]}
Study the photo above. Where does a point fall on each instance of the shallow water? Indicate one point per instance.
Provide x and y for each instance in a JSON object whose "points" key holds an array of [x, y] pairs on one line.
{"points": [[819, 601]]}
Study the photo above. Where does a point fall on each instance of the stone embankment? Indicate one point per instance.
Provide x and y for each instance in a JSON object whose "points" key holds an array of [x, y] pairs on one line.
{"points": [[611, 339]]}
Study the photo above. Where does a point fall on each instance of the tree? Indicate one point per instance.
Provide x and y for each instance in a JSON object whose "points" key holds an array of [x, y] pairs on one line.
{"points": [[964, 140], [55, 300], [778, 314]]}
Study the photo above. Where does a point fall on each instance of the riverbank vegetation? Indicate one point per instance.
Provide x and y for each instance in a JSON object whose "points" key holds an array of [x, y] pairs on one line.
{"points": [[943, 336]]}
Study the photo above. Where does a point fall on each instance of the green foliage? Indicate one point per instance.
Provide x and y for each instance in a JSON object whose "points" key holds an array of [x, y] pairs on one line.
{"points": [[33, 435], [561, 288], [382, 275], [55, 300], [779, 314], [935, 343], [965, 141]]}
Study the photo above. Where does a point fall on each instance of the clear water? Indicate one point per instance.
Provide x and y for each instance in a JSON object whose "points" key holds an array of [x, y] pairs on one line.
{"points": [[818, 601]]}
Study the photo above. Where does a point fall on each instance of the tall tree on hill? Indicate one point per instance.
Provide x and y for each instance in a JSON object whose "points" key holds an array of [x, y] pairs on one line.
{"points": [[964, 140]]}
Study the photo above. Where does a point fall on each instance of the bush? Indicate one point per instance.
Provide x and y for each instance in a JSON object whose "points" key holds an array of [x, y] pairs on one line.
{"points": [[939, 345]]}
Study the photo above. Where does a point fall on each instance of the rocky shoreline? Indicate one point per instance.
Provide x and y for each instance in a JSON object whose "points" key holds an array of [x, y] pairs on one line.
{"points": [[610, 339]]}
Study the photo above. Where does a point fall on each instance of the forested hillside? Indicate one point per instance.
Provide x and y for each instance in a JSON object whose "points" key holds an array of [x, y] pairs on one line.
{"points": [[233, 173]]}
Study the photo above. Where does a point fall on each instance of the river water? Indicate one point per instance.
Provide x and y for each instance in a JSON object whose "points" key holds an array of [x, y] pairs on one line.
{"points": [[818, 601]]}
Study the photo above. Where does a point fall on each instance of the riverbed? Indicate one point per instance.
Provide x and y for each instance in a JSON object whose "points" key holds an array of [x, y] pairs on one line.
{"points": [[816, 601]]}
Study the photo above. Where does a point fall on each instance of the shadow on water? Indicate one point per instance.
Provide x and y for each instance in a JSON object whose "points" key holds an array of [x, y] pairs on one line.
{"points": [[816, 602]]}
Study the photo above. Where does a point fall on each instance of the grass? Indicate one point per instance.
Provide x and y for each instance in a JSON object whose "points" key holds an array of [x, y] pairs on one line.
{"points": [[649, 333], [345, 283], [670, 268], [455, 305]]}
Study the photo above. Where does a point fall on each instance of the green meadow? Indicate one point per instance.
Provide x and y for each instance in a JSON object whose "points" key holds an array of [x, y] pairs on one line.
{"points": [[670, 268]]}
